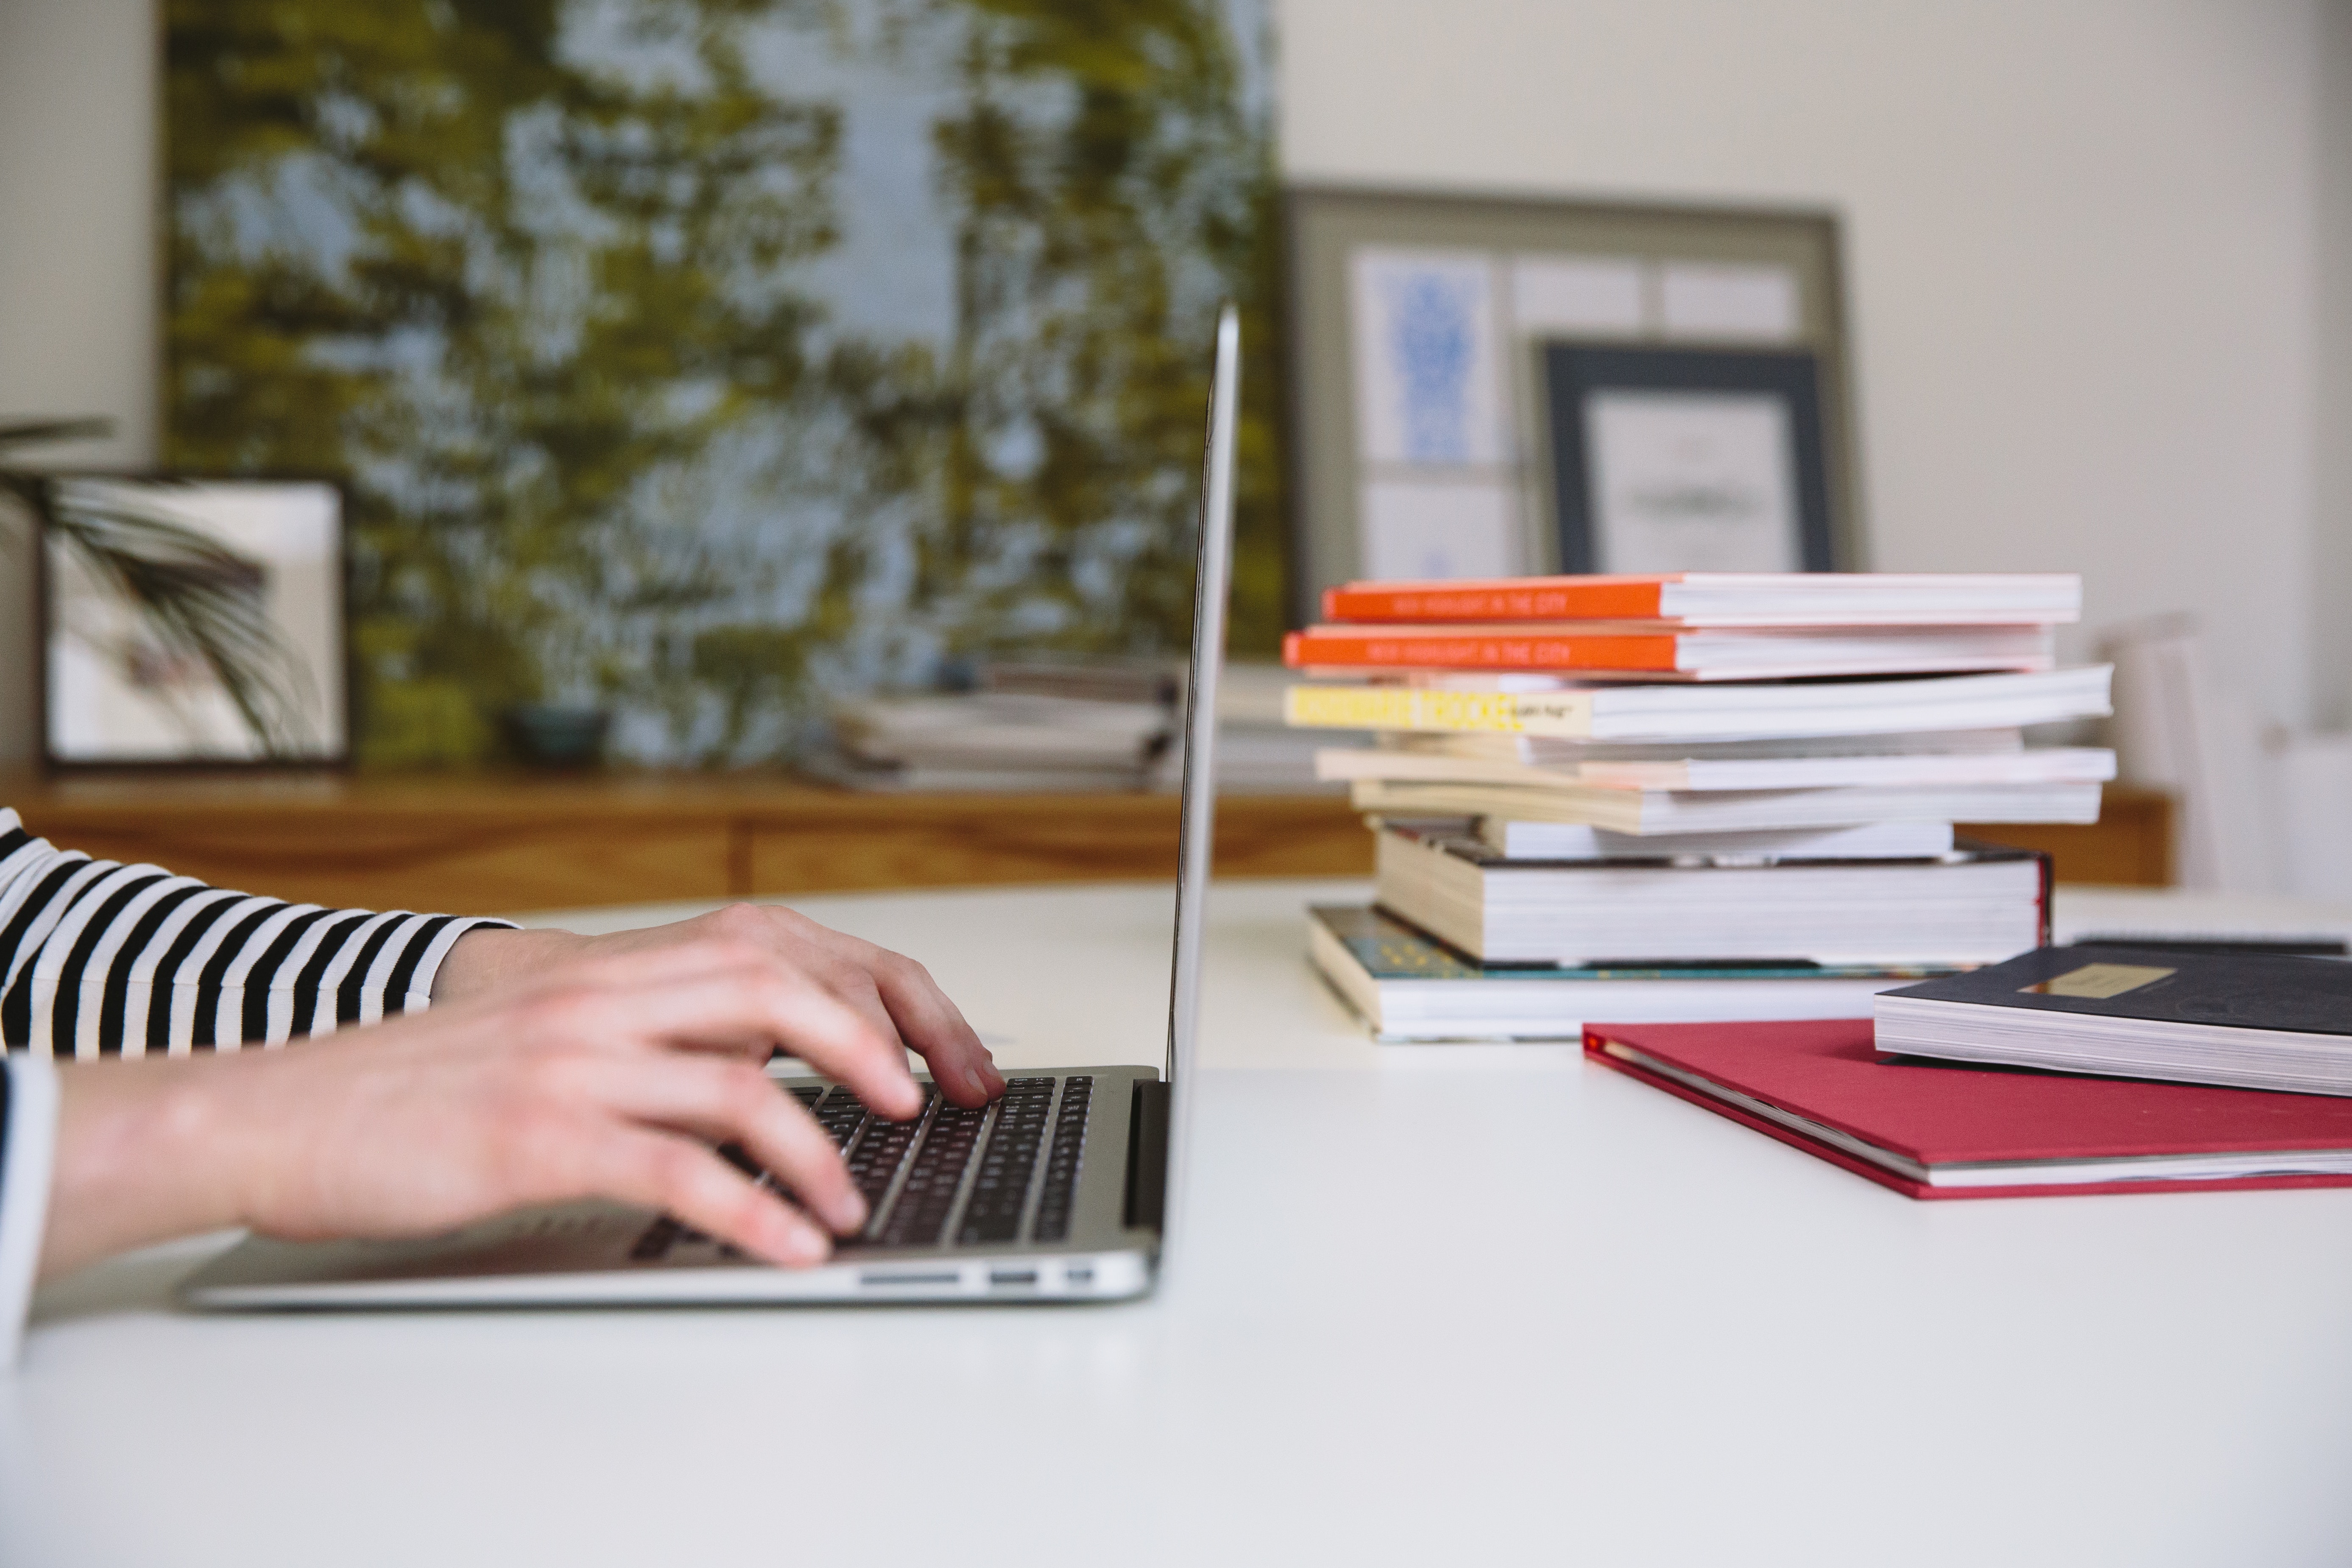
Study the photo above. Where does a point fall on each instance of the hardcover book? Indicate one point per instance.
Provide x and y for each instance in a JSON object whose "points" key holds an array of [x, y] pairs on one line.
{"points": [[1974, 907], [2249, 1019], [1931, 1130], [1411, 988]]}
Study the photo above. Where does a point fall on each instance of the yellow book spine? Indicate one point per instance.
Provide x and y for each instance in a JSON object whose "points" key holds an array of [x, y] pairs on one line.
{"points": [[1421, 707]]}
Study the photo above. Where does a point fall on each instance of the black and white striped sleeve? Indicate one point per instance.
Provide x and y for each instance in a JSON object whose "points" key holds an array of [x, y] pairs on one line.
{"points": [[100, 958]]}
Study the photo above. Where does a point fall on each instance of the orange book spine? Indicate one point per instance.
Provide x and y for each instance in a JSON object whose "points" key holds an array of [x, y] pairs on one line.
{"points": [[1531, 599], [1341, 647]]}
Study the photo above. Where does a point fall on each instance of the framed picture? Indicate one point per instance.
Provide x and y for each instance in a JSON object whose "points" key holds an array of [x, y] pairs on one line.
{"points": [[1686, 460], [192, 622], [1419, 424]]}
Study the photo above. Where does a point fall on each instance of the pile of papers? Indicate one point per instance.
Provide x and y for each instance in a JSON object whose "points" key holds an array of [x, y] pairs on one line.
{"points": [[1259, 749], [1697, 777], [1074, 726], [1047, 727]]}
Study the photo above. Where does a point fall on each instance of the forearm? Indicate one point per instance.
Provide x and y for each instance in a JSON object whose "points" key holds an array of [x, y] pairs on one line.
{"points": [[612, 1083], [492, 958], [145, 1151]]}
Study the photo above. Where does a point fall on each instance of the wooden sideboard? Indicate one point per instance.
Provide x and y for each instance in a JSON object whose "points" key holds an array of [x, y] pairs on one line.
{"points": [[2130, 846], [480, 843], [483, 843]]}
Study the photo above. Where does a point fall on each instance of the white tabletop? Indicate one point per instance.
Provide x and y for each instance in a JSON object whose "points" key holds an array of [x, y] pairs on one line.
{"points": [[1438, 1304]]}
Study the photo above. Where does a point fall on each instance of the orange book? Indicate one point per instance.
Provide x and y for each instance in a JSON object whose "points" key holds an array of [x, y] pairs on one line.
{"points": [[1726, 599], [1476, 648], [1502, 599], [1603, 649]]}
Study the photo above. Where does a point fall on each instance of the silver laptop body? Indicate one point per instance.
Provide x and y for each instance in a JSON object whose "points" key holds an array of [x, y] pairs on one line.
{"points": [[1063, 1191]]}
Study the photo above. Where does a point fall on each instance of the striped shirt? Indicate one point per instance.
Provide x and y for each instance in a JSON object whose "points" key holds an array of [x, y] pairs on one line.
{"points": [[103, 959], [100, 959]]}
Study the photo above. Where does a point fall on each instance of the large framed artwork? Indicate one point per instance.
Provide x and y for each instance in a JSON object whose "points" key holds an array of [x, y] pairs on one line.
{"points": [[191, 623], [1422, 434], [1686, 460]]}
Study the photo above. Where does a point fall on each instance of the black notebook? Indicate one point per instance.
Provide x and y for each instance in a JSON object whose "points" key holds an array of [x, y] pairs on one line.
{"points": [[2248, 1020]]}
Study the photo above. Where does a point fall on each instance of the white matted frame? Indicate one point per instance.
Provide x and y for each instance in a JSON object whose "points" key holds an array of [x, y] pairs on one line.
{"points": [[1419, 434], [1679, 460], [191, 621]]}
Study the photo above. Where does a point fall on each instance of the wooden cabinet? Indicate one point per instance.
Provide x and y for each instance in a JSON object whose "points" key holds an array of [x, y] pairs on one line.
{"points": [[2130, 845], [477, 844]]}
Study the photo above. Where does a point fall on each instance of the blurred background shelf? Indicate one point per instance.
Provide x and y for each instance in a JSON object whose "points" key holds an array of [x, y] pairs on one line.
{"points": [[474, 843], [2131, 845]]}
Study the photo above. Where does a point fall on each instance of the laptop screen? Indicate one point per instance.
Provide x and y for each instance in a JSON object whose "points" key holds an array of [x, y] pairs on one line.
{"points": [[1211, 574]]}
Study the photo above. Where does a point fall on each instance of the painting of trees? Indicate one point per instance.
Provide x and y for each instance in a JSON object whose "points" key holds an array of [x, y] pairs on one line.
{"points": [[709, 360]]}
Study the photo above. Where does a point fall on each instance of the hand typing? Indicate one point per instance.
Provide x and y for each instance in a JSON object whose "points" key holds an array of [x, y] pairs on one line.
{"points": [[894, 994], [611, 1075]]}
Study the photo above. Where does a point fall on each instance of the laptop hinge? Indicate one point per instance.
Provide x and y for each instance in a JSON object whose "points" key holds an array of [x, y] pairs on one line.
{"points": [[1147, 1155]]}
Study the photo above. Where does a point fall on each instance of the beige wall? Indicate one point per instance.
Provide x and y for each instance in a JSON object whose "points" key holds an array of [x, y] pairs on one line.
{"points": [[2080, 244], [78, 291], [2330, 588], [2083, 243]]}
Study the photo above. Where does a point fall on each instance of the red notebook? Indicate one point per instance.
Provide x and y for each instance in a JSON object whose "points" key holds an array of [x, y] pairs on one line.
{"points": [[1933, 1131]]}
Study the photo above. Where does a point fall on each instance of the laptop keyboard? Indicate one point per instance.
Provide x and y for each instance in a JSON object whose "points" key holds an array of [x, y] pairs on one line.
{"points": [[1001, 1188], [973, 1170]]}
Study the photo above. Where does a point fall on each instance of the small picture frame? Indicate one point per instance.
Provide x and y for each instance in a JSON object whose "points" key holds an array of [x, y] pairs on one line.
{"points": [[1667, 459], [1417, 428], [191, 622]]}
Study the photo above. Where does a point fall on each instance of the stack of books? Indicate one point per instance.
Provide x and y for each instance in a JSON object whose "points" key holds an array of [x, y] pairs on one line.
{"points": [[1711, 783]]}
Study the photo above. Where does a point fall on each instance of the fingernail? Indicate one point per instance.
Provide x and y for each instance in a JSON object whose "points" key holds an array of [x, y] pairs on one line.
{"points": [[979, 1084], [849, 1213], [803, 1244]]}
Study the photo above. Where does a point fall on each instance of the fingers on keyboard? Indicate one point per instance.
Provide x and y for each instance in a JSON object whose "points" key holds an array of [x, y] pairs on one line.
{"points": [[936, 1149]]}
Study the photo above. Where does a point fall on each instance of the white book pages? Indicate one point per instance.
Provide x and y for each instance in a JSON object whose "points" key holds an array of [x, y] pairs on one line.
{"points": [[1548, 750], [2068, 765], [1547, 706], [1849, 597], [1670, 812], [1577, 841]]}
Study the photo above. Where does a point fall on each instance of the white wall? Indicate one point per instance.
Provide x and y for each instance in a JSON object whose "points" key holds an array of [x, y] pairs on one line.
{"points": [[2079, 241], [78, 278], [2331, 575], [2083, 244]]}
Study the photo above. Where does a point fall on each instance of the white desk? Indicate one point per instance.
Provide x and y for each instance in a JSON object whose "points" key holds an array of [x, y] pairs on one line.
{"points": [[1439, 1304]]}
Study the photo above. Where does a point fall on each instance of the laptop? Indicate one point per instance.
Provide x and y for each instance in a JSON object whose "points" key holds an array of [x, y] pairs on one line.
{"points": [[1063, 1190]]}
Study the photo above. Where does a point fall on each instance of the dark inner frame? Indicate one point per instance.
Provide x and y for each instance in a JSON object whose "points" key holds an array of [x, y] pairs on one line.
{"points": [[1572, 372]]}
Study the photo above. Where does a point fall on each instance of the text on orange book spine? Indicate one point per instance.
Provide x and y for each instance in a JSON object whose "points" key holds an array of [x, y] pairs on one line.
{"points": [[1493, 602], [1335, 647]]}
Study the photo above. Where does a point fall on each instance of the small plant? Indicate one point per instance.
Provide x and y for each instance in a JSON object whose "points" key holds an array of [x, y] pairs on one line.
{"points": [[201, 602]]}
